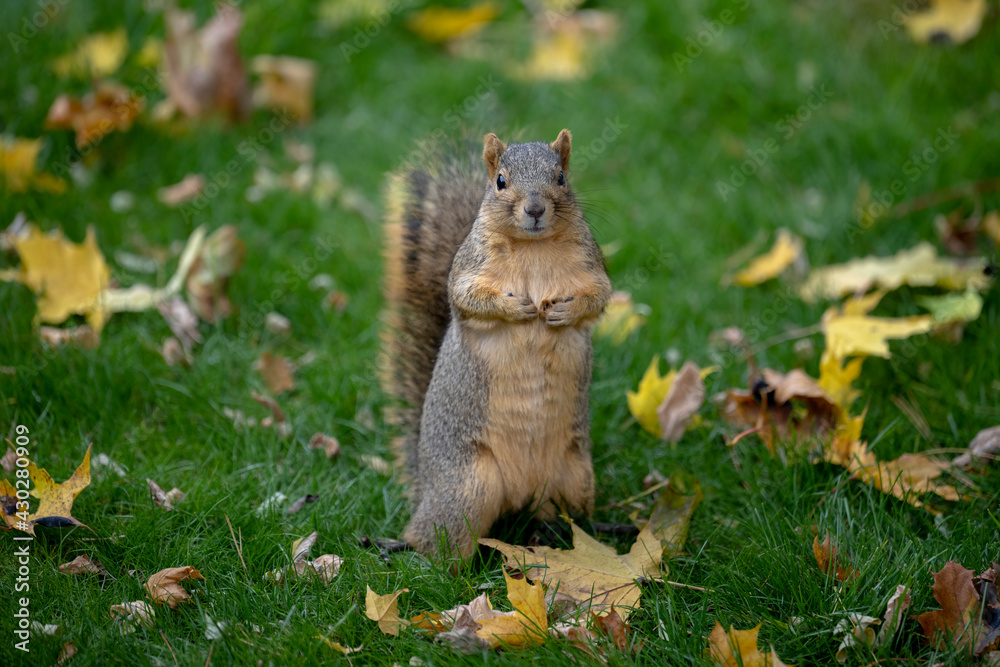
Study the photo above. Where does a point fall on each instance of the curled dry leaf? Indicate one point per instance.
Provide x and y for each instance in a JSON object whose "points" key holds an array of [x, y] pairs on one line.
{"points": [[738, 648], [651, 393], [297, 506], [83, 336], [286, 83], [9, 461], [109, 107], [67, 652], [827, 559], [983, 448], [204, 70], [682, 402], [181, 320], [276, 371], [218, 258], [894, 610], [131, 614], [164, 587], [302, 546], [164, 500], [82, 565], [326, 568], [856, 631], [173, 352], [385, 610], [187, 189], [329, 444]]}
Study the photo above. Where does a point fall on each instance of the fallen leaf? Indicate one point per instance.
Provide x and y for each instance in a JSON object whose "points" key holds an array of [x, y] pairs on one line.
{"points": [[286, 83], [440, 24], [651, 393], [947, 21], [826, 559], [856, 631], [738, 648], [132, 614], [67, 277], [854, 335], [173, 352], [97, 55], [187, 189], [894, 610], [203, 68], [9, 509], [528, 626], [164, 500], [919, 266], [984, 447], [181, 320], [950, 308], [682, 402], [591, 573], [620, 318], [82, 336], [55, 501], [567, 48], [462, 635], [110, 106], [82, 565], [277, 324], [672, 511], [329, 445], [297, 506], [786, 250], [614, 628], [9, 461], [376, 463], [50, 629], [954, 591], [164, 586], [385, 610], [67, 652], [18, 169], [276, 371], [220, 256]]}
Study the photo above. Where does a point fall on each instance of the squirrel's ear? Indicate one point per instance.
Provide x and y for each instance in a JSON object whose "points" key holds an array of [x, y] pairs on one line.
{"points": [[562, 146], [493, 148]]}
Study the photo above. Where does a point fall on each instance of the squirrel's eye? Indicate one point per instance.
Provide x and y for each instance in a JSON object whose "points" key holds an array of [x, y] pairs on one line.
{"points": [[501, 182], [562, 178]]}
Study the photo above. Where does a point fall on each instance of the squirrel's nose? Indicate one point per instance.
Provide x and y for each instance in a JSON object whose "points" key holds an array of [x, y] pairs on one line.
{"points": [[535, 210]]}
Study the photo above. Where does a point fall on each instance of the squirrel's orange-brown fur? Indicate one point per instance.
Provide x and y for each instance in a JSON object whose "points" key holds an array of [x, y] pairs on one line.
{"points": [[493, 363]]}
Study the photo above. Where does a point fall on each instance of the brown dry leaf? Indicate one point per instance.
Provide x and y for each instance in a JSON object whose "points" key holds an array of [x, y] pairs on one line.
{"points": [[591, 573], [325, 567], [461, 636], [738, 648], [164, 500], [780, 405], [67, 652], [81, 336], [131, 614], [671, 514], [329, 444], [67, 277], [276, 372], [614, 628], [181, 320], [286, 83], [164, 586], [187, 189], [109, 107], [954, 591], [786, 250], [297, 506], [983, 448], [529, 624], [894, 610], [96, 55], [218, 258], [826, 559], [204, 70], [441, 24], [18, 162], [173, 353], [82, 565], [682, 402], [385, 610], [919, 266], [9, 461], [947, 21], [651, 394]]}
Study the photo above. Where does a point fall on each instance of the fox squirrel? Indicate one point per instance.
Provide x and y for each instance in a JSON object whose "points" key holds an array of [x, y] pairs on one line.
{"points": [[491, 297]]}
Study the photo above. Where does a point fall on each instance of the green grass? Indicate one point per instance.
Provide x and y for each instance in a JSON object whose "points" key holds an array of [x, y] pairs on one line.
{"points": [[653, 190]]}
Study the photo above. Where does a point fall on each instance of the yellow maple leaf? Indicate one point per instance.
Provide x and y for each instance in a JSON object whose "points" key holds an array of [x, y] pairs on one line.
{"points": [[440, 24], [837, 376], [384, 609], [738, 648], [528, 626], [566, 45], [67, 277], [620, 318], [591, 572], [55, 504], [786, 249], [18, 160], [919, 266], [97, 55], [851, 335], [955, 21]]}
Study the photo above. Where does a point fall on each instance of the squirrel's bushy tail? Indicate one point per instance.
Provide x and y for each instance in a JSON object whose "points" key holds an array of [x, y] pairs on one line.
{"points": [[430, 210]]}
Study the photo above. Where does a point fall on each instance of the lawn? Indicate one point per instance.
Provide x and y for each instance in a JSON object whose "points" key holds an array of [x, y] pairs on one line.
{"points": [[827, 100]]}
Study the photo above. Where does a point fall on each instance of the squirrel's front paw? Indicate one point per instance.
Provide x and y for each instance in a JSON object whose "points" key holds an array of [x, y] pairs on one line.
{"points": [[521, 308], [559, 312]]}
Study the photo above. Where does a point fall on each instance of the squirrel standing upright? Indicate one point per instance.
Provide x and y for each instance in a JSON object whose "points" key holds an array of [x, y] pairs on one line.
{"points": [[491, 297]]}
